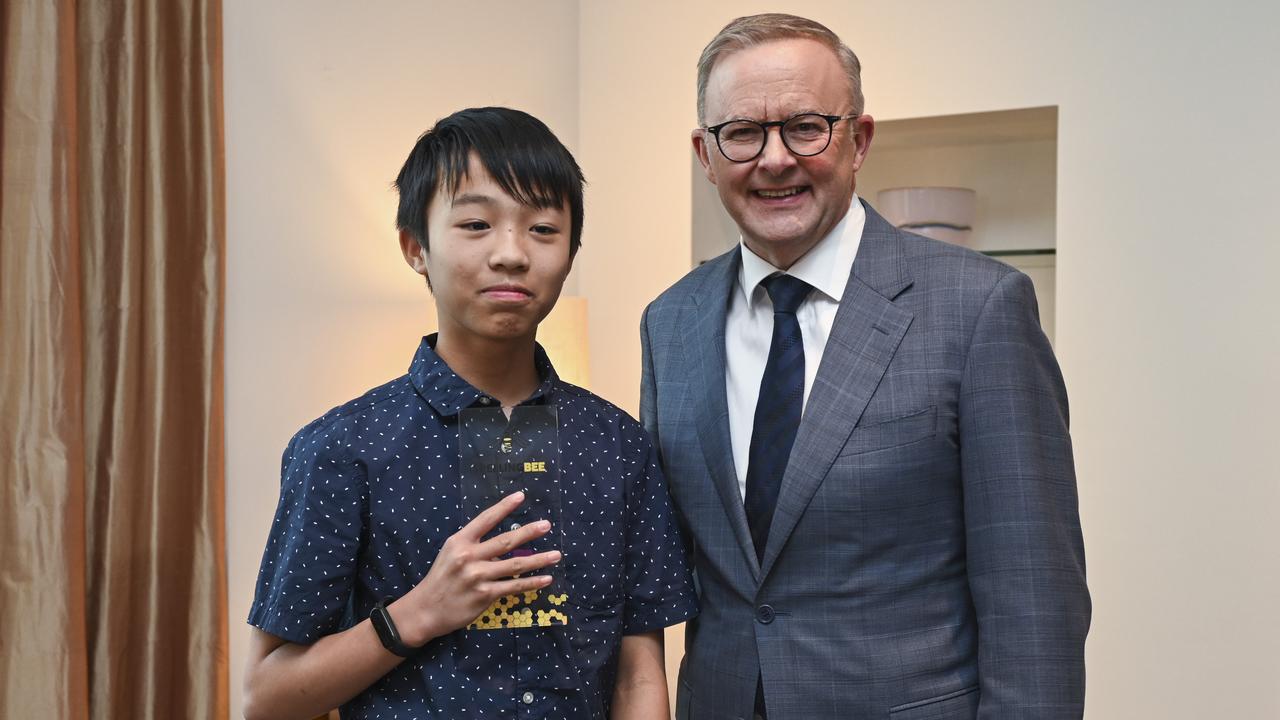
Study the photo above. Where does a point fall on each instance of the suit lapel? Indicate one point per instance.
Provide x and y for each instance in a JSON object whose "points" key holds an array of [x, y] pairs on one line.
{"points": [[704, 332], [864, 337]]}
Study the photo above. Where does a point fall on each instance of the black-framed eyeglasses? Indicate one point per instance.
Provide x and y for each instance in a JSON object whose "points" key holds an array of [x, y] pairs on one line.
{"points": [[806, 134]]}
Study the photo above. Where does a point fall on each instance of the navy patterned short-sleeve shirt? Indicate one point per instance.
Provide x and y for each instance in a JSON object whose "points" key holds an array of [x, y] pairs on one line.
{"points": [[369, 493]]}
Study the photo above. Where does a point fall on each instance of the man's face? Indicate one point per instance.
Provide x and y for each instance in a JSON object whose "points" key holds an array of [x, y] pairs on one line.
{"points": [[496, 266], [783, 203]]}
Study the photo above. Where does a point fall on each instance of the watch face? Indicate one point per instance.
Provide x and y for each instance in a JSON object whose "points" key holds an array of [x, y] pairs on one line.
{"points": [[386, 629]]}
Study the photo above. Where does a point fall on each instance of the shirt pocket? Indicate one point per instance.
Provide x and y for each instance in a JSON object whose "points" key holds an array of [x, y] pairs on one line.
{"points": [[895, 432], [594, 566], [957, 705]]}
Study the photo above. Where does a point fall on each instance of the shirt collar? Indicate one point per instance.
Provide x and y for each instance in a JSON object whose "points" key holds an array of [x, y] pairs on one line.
{"points": [[448, 393], [826, 266]]}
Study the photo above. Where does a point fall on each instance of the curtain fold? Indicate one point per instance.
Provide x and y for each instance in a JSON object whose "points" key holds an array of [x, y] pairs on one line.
{"points": [[42, 526], [112, 570]]}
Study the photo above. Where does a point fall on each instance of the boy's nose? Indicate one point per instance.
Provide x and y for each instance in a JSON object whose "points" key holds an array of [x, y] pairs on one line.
{"points": [[509, 252]]}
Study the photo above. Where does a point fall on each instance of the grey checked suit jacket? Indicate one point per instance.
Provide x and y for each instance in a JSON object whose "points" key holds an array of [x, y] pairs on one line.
{"points": [[925, 557]]}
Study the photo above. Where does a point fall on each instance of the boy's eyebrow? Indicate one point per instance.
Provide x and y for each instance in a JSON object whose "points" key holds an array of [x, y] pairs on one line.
{"points": [[472, 199]]}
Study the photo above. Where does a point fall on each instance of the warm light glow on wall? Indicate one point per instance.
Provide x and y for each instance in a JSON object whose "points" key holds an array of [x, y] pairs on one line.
{"points": [[564, 336]]}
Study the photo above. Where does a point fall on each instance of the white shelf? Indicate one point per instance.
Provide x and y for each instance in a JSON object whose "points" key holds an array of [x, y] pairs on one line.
{"points": [[1009, 157], [984, 128]]}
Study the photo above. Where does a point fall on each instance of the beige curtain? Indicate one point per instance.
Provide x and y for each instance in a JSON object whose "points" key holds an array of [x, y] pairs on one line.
{"points": [[112, 576]]}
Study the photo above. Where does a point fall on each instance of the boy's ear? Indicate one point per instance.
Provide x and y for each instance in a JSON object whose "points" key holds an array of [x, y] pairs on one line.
{"points": [[414, 254]]}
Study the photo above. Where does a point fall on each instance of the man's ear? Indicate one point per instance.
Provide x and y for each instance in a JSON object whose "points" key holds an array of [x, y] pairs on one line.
{"points": [[414, 254], [702, 150], [862, 141]]}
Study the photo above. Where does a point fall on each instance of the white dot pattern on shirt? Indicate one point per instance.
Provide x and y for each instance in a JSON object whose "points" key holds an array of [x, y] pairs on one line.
{"points": [[369, 493]]}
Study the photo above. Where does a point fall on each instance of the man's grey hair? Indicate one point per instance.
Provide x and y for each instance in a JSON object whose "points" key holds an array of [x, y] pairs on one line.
{"points": [[751, 30]]}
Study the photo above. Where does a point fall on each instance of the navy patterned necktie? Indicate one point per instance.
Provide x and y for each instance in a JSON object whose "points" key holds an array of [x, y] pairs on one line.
{"points": [[777, 407]]}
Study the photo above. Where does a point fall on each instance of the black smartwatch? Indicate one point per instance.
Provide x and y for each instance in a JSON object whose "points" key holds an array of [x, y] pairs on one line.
{"points": [[386, 629]]}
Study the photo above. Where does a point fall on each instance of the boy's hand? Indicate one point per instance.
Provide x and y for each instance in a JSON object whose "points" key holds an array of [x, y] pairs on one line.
{"points": [[467, 576]]}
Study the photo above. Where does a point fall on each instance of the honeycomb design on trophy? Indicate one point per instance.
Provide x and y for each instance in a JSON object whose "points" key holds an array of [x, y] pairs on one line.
{"points": [[507, 612]]}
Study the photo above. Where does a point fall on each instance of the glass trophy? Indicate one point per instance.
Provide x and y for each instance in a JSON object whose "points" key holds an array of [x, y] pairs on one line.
{"points": [[498, 456]]}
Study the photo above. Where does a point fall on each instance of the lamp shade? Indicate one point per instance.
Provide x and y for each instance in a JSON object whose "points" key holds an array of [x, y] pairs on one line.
{"points": [[563, 334], [942, 213]]}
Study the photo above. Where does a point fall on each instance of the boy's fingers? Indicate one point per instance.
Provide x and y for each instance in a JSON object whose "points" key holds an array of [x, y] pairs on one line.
{"points": [[514, 587], [489, 518], [520, 565], [512, 539]]}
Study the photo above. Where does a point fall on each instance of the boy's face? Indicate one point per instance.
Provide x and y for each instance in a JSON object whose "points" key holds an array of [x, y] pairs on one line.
{"points": [[495, 266]]}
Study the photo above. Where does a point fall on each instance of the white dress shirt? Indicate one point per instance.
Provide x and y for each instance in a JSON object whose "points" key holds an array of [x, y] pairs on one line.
{"points": [[749, 325]]}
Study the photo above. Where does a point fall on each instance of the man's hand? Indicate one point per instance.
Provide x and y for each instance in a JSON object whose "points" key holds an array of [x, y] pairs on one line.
{"points": [[467, 576]]}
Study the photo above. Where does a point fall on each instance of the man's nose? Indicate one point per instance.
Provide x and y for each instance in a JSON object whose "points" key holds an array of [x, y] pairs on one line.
{"points": [[775, 157]]}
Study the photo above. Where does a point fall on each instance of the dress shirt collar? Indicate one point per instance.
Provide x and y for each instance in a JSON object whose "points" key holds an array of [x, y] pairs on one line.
{"points": [[448, 393], [826, 266]]}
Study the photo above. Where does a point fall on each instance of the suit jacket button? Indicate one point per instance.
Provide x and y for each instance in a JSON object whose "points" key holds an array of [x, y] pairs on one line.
{"points": [[764, 614]]}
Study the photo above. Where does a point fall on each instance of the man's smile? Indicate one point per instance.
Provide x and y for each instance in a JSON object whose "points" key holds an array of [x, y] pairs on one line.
{"points": [[781, 196]]}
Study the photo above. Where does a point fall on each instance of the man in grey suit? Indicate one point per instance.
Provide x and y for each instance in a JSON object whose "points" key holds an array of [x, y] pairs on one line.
{"points": [[865, 431]]}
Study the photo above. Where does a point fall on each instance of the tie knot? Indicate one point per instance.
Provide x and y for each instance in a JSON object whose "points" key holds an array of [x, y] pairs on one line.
{"points": [[786, 292]]}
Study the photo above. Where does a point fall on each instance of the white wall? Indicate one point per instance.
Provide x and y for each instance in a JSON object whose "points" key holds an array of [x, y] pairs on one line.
{"points": [[323, 102], [1166, 306]]}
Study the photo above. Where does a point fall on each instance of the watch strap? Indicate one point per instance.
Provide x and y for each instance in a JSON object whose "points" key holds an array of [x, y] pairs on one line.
{"points": [[387, 632]]}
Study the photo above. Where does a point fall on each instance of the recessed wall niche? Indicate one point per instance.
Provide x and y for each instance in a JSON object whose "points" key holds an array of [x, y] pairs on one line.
{"points": [[1009, 157]]}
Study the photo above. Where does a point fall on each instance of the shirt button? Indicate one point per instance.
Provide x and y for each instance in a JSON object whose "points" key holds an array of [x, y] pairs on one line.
{"points": [[527, 698], [764, 614], [514, 526]]}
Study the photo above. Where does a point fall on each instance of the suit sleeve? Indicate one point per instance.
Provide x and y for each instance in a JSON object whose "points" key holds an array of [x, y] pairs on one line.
{"points": [[1024, 547], [649, 418], [648, 391]]}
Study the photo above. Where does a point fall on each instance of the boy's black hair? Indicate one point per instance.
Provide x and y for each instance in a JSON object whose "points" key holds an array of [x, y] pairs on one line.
{"points": [[521, 153]]}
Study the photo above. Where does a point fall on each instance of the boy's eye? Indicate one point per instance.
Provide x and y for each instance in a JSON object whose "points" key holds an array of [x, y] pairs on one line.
{"points": [[545, 229], [474, 225]]}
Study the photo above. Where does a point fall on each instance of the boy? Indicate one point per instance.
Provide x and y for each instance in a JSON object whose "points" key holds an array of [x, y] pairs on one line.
{"points": [[374, 570]]}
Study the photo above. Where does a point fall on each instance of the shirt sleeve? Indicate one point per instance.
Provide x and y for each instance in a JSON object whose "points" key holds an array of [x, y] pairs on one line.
{"points": [[659, 585], [309, 565]]}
